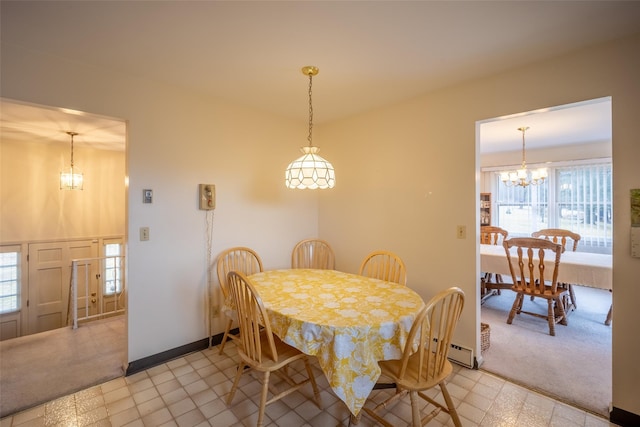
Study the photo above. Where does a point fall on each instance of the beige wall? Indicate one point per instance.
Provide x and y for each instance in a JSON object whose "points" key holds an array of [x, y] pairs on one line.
{"points": [[406, 176], [35, 209]]}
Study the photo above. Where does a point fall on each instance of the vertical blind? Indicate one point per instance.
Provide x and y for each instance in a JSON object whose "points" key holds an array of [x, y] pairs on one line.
{"points": [[577, 198]]}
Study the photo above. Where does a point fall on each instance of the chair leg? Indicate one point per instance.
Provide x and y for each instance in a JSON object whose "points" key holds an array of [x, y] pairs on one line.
{"points": [[415, 409], [572, 295], [563, 314], [226, 335], [234, 387], [314, 385], [450, 406], [263, 398], [551, 317], [608, 319], [514, 308]]}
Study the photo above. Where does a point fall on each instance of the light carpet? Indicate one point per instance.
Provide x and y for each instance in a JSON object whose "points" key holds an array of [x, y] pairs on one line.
{"points": [[38, 368], [574, 366]]}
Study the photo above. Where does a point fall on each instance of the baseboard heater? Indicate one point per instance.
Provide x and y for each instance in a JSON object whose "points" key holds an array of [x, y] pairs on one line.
{"points": [[460, 355]]}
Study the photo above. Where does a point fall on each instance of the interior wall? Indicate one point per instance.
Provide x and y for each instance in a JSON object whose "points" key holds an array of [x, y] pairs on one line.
{"points": [[176, 140], [34, 208], [408, 174]]}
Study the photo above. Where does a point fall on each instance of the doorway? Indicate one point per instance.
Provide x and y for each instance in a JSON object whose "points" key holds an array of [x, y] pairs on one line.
{"points": [[44, 227], [564, 138]]}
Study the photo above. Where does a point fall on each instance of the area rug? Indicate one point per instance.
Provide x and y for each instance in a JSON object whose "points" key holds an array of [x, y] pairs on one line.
{"points": [[38, 368], [574, 366]]}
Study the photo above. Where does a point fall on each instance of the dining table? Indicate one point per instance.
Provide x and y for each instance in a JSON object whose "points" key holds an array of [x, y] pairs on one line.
{"points": [[347, 321], [578, 268]]}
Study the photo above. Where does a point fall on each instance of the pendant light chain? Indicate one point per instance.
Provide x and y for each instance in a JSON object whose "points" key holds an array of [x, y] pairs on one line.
{"points": [[310, 110], [72, 134], [523, 129]]}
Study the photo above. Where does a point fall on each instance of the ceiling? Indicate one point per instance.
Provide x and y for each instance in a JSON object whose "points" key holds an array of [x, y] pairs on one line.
{"points": [[370, 53]]}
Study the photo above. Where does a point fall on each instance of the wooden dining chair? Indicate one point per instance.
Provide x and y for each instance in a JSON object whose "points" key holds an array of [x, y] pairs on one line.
{"points": [[384, 265], [425, 365], [262, 351], [313, 253], [532, 278], [241, 259], [565, 238], [492, 284]]}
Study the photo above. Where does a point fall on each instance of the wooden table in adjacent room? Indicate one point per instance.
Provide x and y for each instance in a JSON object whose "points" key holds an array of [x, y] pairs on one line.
{"points": [[349, 322], [578, 268]]}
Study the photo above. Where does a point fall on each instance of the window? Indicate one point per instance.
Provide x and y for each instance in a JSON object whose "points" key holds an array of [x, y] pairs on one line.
{"points": [[113, 268], [9, 279], [523, 210], [584, 204], [576, 197]]}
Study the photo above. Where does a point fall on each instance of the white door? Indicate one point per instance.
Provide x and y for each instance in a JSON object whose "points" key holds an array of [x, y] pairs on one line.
{"points": [[49, 282]]}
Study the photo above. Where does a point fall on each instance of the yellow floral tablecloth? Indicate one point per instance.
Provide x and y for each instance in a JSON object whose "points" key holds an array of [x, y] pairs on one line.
{"points": [[349, 322]]}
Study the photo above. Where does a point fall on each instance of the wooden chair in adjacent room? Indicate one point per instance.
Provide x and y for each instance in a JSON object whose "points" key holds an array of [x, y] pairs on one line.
{"points": [[531, 277], [565, 238], [384, 265], [313, 253], [425, 367], [492, 284], [262, 351], [241, 259]]}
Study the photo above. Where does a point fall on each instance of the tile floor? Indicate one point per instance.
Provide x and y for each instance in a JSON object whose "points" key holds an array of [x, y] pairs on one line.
{"points": [[191, 391]]}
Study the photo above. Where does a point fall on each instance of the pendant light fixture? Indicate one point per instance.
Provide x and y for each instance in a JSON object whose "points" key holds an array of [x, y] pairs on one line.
{"points": [[522, 177], [310, 171], [72, 179]]}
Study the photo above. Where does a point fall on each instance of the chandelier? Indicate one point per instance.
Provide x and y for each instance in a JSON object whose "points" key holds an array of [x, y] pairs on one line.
{"points": [[523, 177], [72, 179], [310, 171]]}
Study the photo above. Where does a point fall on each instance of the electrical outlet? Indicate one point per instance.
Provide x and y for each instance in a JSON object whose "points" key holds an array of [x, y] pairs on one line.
{"points": [[461, 232]]}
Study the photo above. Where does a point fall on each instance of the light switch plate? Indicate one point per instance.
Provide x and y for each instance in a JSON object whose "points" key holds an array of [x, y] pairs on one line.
{"points": [[144, 234]]}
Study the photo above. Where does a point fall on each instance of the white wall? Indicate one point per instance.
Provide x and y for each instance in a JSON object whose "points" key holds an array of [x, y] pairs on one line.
{"points": [[408, 174]]}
